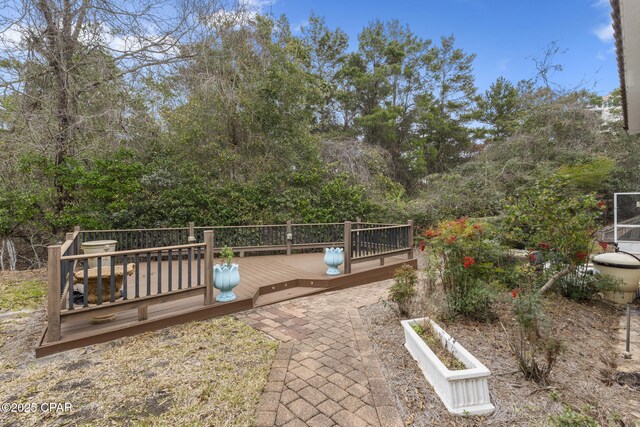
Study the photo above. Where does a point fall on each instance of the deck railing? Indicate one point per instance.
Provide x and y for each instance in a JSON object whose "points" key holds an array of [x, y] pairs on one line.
{"points": [[149, 260], [376, 241], [247, 237], [139, 238], [172, 263]]}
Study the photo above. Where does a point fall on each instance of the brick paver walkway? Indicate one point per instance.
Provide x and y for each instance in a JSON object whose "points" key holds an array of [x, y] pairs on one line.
{"points": [[325, 372]]}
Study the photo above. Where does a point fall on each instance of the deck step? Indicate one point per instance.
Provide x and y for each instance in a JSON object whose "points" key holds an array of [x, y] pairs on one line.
{"points": [[285, 294]]}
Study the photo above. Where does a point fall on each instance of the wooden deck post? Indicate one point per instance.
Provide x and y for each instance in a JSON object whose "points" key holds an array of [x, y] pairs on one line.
{"points": [[347, 247], [192, 232], [53, 293], [143, 313], [289, 237], [208, 267], [76, 244], [410, 222], [67, 237]]}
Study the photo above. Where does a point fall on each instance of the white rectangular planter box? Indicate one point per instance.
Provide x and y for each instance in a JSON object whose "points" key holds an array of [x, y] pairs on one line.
{"points": [[463, 392]]}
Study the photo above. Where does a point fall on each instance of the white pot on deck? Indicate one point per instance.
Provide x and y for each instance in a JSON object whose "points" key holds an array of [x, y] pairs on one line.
{"points": [[97, 247], [463, 392]]}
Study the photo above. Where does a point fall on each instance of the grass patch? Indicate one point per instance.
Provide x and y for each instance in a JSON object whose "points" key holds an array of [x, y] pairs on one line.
{"points": [[20, 290], [208, 373], [21, 295]]}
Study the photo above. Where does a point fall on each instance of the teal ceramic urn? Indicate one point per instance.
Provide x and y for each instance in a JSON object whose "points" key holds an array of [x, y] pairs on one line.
{"points": [[333, 257], [225, 278]]}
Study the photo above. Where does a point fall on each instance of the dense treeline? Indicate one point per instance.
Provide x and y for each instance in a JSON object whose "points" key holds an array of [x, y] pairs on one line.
{"points": [[223, 116]]}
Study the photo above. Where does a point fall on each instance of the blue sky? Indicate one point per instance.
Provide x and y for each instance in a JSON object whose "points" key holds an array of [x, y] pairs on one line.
{"points": [[503, 34]]}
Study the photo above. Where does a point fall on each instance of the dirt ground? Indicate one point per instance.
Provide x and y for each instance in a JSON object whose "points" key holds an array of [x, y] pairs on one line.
{"points": [[197, 374], [583, 380]]}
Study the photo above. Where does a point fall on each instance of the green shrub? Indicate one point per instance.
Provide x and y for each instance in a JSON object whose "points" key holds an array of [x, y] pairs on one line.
{"points": [[535, 347], [571, 418], [547, 218], [403, 289], [476, 303], [583, 286]]}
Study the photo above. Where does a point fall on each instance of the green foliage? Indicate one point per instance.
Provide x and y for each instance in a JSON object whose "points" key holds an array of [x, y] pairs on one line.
{"points": [[443, 114], [476, 302], [588, 176], [572, 418], [561, 225], [545, 216], [580, 285], [226, 254], [554, 133], [325, 48], [500, 108], [403, 289], [16, 207]]}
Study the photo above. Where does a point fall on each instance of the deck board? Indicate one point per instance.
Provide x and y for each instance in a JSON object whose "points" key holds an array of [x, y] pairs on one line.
{"points": [[274, 277]]}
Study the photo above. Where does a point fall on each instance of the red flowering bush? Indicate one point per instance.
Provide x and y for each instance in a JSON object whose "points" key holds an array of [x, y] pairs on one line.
{"points": [[561, 228], [466, 259]]}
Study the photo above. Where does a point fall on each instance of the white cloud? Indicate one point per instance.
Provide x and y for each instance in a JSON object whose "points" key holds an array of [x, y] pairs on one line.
{"points": [[11, 37], [601, 3], [258, 4], [242, 14], [604, 32]]}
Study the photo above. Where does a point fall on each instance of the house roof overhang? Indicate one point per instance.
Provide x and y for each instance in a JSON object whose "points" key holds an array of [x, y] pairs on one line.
{"points": [[626, 26]]}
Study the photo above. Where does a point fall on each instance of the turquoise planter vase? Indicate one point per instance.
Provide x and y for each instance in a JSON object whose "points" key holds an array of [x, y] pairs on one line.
{"points": [[225, 278], [333, 257]]}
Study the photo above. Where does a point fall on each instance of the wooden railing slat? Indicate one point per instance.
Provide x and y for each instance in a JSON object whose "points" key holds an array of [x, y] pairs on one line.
{"points": [[124, 279], [148, 260], [113, 280], [137, 260], [99, 280]]}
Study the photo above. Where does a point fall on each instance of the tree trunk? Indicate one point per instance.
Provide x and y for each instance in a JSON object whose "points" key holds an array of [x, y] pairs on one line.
{"points": [[560, 274], [62, 138], [60, 44], [10, 247]]}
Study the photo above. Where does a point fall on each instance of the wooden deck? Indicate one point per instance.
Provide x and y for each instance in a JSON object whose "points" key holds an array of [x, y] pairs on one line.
{"points": [[264, 280]]}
